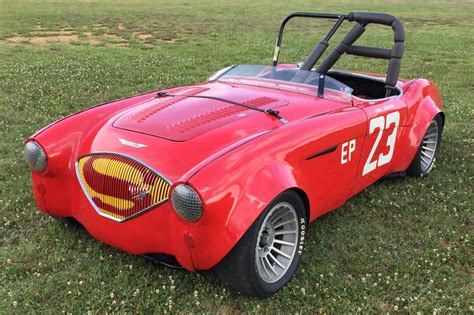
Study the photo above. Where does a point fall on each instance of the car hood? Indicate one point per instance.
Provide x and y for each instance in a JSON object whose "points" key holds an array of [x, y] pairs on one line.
{"points": [[177, 136], [187, 115]]}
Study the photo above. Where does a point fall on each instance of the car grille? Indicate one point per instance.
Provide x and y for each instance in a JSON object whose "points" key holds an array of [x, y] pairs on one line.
{"points": [[120, 187]]}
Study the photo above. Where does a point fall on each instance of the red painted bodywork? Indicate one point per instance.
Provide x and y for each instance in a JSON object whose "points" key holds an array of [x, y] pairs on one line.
{"points": [[238, 160]]}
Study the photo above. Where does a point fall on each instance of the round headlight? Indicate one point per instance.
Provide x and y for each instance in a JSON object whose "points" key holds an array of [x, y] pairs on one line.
{"points": [[35, 156], [186, 202]]}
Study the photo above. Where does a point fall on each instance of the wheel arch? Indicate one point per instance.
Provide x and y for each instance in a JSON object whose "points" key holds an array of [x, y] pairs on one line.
{"points": [[230, 215], [426, 113], [424, 103], [304, 198]]}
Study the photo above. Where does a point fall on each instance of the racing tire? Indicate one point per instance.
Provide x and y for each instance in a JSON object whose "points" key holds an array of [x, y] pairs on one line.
{"points": [[269, 253], [425, 157]]}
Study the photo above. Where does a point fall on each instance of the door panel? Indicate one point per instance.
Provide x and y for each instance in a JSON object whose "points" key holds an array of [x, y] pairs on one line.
{"points": [[326, 164], [385, 121]]}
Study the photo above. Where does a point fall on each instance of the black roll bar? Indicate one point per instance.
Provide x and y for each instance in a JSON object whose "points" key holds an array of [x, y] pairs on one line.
{"points": [[362, 19], [276, 55]]}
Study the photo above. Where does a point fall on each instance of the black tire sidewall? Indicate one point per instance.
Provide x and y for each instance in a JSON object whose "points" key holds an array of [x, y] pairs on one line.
{"points": [[265, 288]]}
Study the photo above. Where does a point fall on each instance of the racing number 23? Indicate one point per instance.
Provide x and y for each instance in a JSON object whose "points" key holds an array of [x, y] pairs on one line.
{"points": [[380, 124]]}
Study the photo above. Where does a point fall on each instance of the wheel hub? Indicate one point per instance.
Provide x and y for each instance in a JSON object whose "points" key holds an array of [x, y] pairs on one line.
{"points": [[266, 239]]}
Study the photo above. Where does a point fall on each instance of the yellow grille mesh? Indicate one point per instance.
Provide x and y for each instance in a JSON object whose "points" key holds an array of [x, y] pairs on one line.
{"points": [[120, 187]]}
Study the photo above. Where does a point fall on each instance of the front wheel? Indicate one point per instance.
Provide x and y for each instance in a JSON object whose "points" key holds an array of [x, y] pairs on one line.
{"points": [[425, 157], [269, 253]]}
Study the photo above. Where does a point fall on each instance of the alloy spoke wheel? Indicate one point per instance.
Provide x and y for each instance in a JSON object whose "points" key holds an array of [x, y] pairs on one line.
{"points": [[277, 242], [428, 146]]}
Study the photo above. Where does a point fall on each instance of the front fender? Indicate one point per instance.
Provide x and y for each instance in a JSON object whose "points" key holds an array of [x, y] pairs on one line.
{"points": [[61, 140], [233, 201]]}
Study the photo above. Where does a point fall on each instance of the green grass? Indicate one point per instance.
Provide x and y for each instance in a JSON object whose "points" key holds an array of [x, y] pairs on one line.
{"points": [[401, 245]]}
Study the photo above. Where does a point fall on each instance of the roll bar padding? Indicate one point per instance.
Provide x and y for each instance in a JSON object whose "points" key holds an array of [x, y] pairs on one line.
{"points": [[394, 54], [362, 19], [380, 18], [315, 55], [371, 52], [341, 48]]}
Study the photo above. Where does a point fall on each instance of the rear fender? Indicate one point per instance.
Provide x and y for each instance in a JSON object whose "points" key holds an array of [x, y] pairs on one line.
{"points": [[230, 210], [424, 104]]}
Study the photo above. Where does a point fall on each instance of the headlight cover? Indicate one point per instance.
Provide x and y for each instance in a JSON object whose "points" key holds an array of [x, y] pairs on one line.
{"points": [[35, 156], [186, 203]]}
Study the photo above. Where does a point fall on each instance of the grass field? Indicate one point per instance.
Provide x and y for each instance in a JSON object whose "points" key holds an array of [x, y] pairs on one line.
{"points": [[403, 245]]}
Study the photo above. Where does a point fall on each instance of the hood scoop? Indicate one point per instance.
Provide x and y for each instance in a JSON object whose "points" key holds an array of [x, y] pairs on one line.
{"points": [[182, 118]]}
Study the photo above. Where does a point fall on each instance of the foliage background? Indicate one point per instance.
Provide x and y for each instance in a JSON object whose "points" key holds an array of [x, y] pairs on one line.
{"points": [[402, 245]]}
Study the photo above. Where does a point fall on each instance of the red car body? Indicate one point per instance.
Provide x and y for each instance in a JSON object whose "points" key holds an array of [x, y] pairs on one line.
{"points": [[236, 159]]}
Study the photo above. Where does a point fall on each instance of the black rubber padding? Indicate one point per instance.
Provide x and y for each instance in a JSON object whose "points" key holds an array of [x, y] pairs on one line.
{"points": [[399, 31], [397, 50], [393, 72], [315, 55], [354, 34], [380, 18], [371, 17], [340, 49], [371, 52], [395, 53]]}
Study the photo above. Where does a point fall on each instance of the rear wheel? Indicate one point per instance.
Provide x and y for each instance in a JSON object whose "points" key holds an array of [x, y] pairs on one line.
{"points": [[425, 158], [267, 256]]}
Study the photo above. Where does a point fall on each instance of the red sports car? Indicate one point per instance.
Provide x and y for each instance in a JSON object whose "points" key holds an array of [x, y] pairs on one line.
{"points": [[227, 174]]}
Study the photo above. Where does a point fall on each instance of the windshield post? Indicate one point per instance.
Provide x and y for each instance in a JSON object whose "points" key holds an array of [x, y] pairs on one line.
{"points": [[322, 78]]}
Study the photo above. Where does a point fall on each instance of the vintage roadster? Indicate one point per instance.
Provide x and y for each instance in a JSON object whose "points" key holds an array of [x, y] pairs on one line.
{"points": [[227, 174]]}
